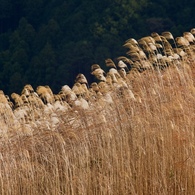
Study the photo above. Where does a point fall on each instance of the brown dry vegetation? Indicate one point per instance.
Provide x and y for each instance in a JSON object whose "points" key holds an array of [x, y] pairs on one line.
{"points": [[141, 147]]}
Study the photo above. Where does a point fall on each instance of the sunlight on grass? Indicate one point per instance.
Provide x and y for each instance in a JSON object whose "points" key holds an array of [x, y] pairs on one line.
{"points": [[130, 147]]}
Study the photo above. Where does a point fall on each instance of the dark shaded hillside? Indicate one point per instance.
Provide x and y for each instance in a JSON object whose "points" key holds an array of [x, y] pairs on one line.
{"points": [[49, 42]]}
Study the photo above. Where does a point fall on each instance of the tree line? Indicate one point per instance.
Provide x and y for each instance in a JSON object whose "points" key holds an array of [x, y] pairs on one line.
{"points": [[50, 42]]}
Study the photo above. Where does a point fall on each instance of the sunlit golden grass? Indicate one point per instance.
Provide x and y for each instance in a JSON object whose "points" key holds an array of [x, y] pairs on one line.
{"points": [[130, 147]]}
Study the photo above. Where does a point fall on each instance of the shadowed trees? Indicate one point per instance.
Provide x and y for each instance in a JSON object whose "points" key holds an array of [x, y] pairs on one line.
{"points": [[49, 42]]}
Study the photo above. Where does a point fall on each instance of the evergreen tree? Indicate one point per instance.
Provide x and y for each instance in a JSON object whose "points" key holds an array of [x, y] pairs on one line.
{"points": [[49, 42]]}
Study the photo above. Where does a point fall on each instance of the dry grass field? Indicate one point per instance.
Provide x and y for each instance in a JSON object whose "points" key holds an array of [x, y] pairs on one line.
{"points": [[142, 147], [133, 145]]}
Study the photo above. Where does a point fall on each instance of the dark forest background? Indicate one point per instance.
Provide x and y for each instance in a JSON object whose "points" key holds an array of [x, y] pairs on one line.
{"points": [[49, 42]]}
